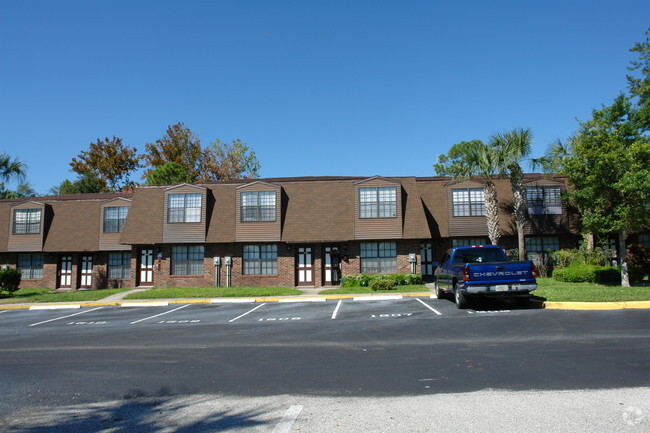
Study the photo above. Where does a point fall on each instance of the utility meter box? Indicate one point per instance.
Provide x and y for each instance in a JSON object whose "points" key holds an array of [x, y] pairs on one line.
{"points": [[412, 258], [228, 261], [217, 261]]}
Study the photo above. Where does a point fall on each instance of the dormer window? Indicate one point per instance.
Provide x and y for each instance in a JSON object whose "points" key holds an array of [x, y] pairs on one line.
{"points": [[27, 222], [114, 217], [467, 202], [544, 200], [184, 208], [378, 202], [258, 206]]}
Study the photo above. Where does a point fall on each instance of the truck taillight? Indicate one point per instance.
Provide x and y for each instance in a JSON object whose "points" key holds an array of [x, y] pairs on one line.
{"points": [[533, 270], [466, 273]]}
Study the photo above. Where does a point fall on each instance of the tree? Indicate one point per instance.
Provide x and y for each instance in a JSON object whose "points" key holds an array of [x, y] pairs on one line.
{"points": [[179, 145], [23, 190], [169, 173], [609, 173], [514, 146], [86, 184], [228, 161], [475, 158], [640, 86], [109, 161], [11, 169]]}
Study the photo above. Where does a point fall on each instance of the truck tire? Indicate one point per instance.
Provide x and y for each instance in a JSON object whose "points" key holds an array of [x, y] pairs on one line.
{"points": [[440, 294], [461, 300]]}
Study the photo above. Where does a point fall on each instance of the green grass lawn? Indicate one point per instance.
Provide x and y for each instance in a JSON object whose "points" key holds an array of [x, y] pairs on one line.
{"points": [[554, 291], [48, 295], [212, 292], [358, 289]]}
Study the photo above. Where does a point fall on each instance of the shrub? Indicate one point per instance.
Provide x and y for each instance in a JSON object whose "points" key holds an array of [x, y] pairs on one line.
{"points": [[10, 279], [382, 284], [364, 280], [588, 274], [565, 258]]}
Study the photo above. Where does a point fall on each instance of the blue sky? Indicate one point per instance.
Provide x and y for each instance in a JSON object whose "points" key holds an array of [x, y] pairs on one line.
{"points": [[315, 88]]}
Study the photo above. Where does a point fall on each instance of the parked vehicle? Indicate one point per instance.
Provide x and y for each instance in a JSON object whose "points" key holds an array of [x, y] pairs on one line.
{"points": [[483, 271]]}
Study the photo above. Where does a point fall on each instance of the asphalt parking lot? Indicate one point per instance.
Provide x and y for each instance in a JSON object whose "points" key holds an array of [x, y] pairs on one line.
{"points": [[265, 314]]}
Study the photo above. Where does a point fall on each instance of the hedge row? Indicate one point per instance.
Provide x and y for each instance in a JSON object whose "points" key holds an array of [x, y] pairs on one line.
{"points": [[588, 274], [364, 280]]}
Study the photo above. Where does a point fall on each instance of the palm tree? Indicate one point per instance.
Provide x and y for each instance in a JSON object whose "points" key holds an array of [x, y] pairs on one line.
{"points": [[485, 161], [11, 169], [513, 147]]}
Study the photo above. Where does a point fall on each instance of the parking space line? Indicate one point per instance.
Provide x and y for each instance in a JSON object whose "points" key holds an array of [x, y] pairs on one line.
{"points": [[161, 314], [428, 306], [65, 317], [248, 312], [336, 310], [3, 311], [285, 424]]}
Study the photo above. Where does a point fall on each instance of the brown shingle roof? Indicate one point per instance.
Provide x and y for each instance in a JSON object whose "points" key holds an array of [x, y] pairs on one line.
{"points": [[144, 222]]}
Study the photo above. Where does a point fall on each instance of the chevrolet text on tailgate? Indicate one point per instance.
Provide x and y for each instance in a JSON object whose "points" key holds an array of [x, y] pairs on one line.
{"points": [[483, 271]]}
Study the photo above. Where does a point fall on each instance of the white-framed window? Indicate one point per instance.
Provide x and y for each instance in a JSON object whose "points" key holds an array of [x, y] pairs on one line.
{"points": [[542, 244], [468, 242], [27, 222], [119, 265], [260, 260], [378, 258], [467, 202], [544, 200], [31, 265], [257, 206], [187, 260], [378, 202], [114, 217], [184, 208]]}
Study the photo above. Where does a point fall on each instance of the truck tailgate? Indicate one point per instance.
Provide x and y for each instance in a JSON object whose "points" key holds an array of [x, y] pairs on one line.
{"points": [[498, 273]]}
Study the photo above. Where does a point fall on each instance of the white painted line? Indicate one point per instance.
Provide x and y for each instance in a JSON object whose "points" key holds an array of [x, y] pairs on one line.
{"points": [[54, 307], [161, 314], [3, 311], [377, 298], [285, 424], [336, 310], [233, 301], [248, 312], [65, 317], [145, 304], [302, 300], [433, 297], [428, 306]]}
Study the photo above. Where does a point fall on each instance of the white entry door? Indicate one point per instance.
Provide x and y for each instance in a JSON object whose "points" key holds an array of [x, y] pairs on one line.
{"points": [[146, 267], [305, 268], [86, 272], [65, 271]]}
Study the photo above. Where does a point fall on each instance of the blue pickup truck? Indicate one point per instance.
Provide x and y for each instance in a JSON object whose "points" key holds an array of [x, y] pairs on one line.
{"points": [[483, 270]]}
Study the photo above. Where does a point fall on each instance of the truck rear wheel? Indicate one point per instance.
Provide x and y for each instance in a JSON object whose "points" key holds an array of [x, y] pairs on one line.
{"points": [[461, 300]]}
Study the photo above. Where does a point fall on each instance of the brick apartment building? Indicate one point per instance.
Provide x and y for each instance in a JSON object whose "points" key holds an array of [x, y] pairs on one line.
{"points": [[271, 232]]}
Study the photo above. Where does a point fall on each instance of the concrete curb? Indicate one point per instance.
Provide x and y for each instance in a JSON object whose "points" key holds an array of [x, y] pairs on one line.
{"points": [[297, 299], [596, 305]]}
